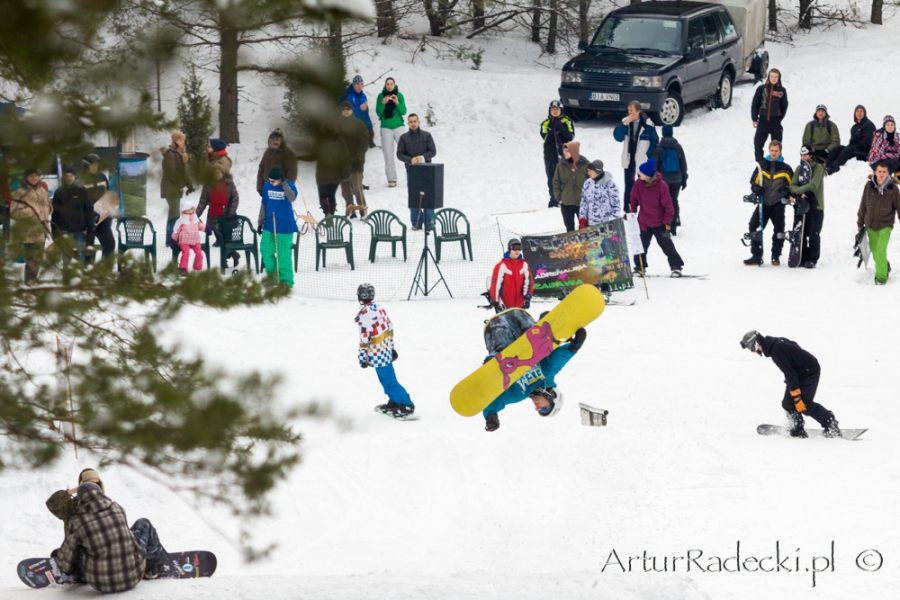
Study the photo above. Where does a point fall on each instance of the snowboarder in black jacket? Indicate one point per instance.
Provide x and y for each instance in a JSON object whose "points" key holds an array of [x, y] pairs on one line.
{"points": [[769, 106], [859, 145], [556, 130], [801, 377], [772, 185], [672, 164]]}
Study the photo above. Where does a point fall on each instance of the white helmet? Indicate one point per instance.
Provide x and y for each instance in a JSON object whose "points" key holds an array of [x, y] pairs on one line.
{"points": [[554, 396]]}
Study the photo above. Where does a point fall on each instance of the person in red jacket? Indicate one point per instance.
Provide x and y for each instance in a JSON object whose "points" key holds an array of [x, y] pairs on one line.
{"points": [[651, 200], [512, 282]]}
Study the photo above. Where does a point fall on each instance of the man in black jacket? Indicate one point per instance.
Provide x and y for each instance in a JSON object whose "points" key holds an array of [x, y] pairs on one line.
{"points": [[96, 183], [859, 145], [769, 106], [801, 377], [73, 211], [772, 184], [415, 147], [556, 130]]}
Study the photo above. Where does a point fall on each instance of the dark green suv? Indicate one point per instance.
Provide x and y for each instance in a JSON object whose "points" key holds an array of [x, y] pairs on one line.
{"points": [[664, 55]]}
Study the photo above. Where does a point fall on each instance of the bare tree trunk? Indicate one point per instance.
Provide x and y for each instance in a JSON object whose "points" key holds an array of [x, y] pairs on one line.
{"points": [[876, 11], [536, 22], [336, 45], [478, 10], [551, 28], [386, 20], [583, 7], [773, 15], [806, 14], [228, 86], [438, 13]]}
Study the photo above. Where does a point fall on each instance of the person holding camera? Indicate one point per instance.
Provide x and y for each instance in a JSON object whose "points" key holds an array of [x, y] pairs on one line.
{"points": [[770, 184], [390, 109]]}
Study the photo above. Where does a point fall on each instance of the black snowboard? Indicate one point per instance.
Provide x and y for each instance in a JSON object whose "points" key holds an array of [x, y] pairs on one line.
{"points": [[801, 207], [847, 434], [41, 572]]}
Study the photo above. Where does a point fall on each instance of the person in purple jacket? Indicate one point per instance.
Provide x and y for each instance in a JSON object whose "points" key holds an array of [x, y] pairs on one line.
{"points": [[651, 200]]}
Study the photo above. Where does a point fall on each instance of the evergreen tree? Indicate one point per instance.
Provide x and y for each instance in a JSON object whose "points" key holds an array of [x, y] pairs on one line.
{"points": [[195, 120]]}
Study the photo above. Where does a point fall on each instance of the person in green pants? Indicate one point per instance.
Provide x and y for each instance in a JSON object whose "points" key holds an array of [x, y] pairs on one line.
{"points": [[277, 226], [877, 211]]}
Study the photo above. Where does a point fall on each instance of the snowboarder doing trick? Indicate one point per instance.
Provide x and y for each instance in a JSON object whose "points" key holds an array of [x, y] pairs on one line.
{"points": [[539, 383], [801, 377], [376, 349]]}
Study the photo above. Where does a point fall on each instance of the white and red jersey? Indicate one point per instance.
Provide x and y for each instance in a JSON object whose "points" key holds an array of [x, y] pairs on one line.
{"points": [[376, 336], [511, 281]]}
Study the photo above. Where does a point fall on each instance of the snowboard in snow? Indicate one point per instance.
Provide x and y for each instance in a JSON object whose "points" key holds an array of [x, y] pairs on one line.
{"points": [[41, 572], [579, 308], [683, 276], [412, 417], [846, 434], [861, 248]]}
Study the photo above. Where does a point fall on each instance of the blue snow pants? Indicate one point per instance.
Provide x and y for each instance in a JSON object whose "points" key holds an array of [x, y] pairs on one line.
{"points": [[147, 538], [535, 379], [392, 387]]}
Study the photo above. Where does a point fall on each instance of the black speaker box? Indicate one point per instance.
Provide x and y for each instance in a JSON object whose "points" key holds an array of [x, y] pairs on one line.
{"points": [[427, 178]]}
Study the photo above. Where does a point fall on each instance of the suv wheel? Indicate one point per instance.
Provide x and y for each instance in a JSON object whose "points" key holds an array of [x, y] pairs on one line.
{"points": [[725, 90], [578, 114], [672, 111]]}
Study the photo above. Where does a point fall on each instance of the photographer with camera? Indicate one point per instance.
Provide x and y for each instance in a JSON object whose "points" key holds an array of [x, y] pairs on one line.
{"points": [[770, 184], [390, 108]]}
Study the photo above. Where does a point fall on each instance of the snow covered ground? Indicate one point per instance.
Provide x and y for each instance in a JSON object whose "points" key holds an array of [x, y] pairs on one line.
{"points": [[546, 508]]}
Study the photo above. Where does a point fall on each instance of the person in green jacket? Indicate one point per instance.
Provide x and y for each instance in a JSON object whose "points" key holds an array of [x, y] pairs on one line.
{"points": [[813, 191], [568, 179], [879, 206], [821, 135], [390, 108]]}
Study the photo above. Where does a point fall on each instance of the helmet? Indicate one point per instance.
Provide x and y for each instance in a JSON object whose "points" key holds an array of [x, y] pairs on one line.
{"points": [[556, 104], [512, 242], [750, 341], [554, 396], [365, 293]]}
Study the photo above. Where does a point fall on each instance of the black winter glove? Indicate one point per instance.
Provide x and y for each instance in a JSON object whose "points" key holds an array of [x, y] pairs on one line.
{"points": [[259, 230], [364, 365], [394, 355], [757, 189], [683, 185], [190, 190], [526, 301]]}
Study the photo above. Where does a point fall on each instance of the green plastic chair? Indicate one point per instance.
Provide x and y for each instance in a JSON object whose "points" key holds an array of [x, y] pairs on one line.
{"points": [[134, 228], [295, 247], [176, 249], [332, 229], [448, 219], [231, 232], [380, 223]]}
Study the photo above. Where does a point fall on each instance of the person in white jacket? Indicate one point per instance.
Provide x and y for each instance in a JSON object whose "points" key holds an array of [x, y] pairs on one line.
{"points": [[600, 202]]}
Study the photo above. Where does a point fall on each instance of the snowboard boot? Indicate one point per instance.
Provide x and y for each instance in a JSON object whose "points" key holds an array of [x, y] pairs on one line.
{"points": [[753, 261], [387, 408], [403, 411], [831, 428], [492, 422], [799, 432], [676, 273], [577, 340], [776, 261], [795, 420], [809, 265]]}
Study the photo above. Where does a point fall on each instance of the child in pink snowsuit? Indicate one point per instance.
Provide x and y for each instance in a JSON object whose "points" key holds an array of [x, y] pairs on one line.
{"points": [[187, 233]]}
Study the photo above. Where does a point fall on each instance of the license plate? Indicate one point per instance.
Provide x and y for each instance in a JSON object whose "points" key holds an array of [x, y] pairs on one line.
{"points": [[601, 97]]}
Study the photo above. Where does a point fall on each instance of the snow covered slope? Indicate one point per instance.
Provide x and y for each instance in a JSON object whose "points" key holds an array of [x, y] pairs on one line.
{"points": [[546, 508]]}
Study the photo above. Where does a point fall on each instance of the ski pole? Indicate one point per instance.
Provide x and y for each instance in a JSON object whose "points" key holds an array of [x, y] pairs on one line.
{"points": [[275, 239], [644, 275]]}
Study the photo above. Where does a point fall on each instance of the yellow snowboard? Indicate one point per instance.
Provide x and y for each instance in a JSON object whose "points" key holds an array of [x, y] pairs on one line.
{"points": [[471, 395]]}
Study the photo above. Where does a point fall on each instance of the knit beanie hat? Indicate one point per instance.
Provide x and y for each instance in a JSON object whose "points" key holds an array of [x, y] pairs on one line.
{"points": [[89, 475], [346, 104], [889, 118], [805, 150], [276, 173], [648, 169], [177, 135], [821, 107], [513, 242], [217, 145], [70, 170], [667, 130], [357, 79], [276, 133]]}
